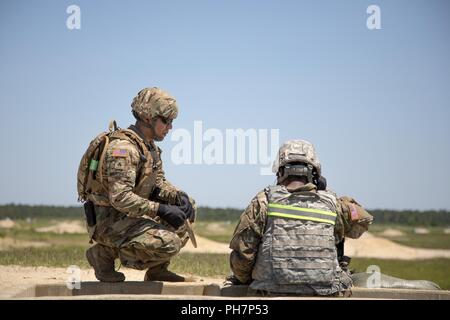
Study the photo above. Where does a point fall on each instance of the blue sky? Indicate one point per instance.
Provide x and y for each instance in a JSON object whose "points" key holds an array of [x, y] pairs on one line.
{"points": [[374, 102]]}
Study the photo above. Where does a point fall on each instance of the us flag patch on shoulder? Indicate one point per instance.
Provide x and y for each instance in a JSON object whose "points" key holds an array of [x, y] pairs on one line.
{"points": [[353, 212], [120, 153]]}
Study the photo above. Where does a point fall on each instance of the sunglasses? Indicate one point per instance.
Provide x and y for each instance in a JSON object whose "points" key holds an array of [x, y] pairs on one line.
{"points": [[166, 121]]}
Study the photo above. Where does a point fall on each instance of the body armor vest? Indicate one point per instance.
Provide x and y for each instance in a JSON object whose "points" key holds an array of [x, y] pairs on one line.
{"points": [[297, 253]]}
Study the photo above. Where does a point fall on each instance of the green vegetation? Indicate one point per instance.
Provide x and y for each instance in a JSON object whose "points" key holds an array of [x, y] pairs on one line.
{"points": [[15, 211], [48, 237], [68, 249], [405, 217], [53, 256], [428, 241], [436, 238], [26, 231], [201, 264], [217, 231], [219, 214], [412, 217], [217, 265], [436, 270]]}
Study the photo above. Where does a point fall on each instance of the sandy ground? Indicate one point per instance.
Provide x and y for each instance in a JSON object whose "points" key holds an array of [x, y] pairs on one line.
{"points": [[64, 227], [369, 246], [16, 279], [7, 223], [206, 246], [421, 231], [392, 233]]}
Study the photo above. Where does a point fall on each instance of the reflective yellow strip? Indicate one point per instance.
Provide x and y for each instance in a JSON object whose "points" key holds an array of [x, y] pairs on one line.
{"points": [[281, 206], [294, 216]]}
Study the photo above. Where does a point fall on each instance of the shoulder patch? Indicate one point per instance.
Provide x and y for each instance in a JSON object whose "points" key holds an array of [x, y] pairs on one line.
{"points": [[120, 153], [353, 211]]}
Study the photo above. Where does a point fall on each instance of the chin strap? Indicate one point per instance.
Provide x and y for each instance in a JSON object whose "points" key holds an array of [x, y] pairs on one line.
{"points": [[148, 125]]}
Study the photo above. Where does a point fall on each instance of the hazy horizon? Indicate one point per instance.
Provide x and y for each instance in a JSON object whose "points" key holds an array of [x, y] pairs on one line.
{"points": [[375, 103]]}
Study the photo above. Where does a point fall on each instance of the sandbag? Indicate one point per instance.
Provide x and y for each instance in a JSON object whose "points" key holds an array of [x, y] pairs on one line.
{"points": [[388, 282]]}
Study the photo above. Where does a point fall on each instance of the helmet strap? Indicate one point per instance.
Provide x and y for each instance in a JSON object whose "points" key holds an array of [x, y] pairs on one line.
{"points": [[301, 170], [148, 125]]}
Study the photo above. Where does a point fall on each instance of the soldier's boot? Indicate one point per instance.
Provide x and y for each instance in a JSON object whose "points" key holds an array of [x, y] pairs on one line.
{"points": [[101, 258], [160, 273]]}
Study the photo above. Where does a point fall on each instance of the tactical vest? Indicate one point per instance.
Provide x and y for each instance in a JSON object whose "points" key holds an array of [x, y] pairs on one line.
{"points": [[297, 253], [146, 173]]}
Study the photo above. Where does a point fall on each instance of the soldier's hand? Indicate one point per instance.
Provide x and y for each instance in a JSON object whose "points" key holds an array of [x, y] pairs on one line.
{"points": [[171, 214], [186, 206]]}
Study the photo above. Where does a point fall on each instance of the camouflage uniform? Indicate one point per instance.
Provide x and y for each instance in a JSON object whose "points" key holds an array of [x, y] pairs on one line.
{"points": [[130, 222], [351, 220], [250, 229], [126, 204]]}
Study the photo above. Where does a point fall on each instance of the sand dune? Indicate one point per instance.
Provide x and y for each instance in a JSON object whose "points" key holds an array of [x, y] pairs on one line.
{"points": [[369, 246], [206, 246], [64, 227], [7, 223]]}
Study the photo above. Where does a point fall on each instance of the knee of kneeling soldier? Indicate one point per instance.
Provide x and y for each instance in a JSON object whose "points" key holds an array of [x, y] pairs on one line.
{"points": [[171, 244]]}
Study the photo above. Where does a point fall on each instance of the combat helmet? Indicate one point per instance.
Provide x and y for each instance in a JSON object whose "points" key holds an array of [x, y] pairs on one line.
{"points": [[297, 157], [151, 103]]}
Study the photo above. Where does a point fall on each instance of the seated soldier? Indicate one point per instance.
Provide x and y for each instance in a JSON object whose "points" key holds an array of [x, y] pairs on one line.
{"points": [[288, 238]]}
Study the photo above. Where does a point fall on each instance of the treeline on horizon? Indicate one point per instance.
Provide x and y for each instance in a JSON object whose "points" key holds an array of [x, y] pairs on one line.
{"points": [[385, 216]]}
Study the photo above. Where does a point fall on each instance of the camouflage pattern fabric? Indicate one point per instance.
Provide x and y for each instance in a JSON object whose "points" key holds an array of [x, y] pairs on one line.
{"points": [[122, 164], [153, 102], [126, 218], [132, 186], [250, 229], [355, 219], [131, 176], [297, 253], [297, 151], [142, 242]]}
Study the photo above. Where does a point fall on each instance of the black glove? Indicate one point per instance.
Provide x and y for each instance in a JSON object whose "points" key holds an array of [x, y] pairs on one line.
{"points": [[321, 183], [186, 206], [171, 214]]}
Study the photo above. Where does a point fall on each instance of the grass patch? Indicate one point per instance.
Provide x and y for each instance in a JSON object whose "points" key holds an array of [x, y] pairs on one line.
{"points": [[26, 230], [68, 239], [39, 222], [216, 231], [58, 256], [426, 241], [436, 270], [435, 239], [201, 264], [217, 238]]}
